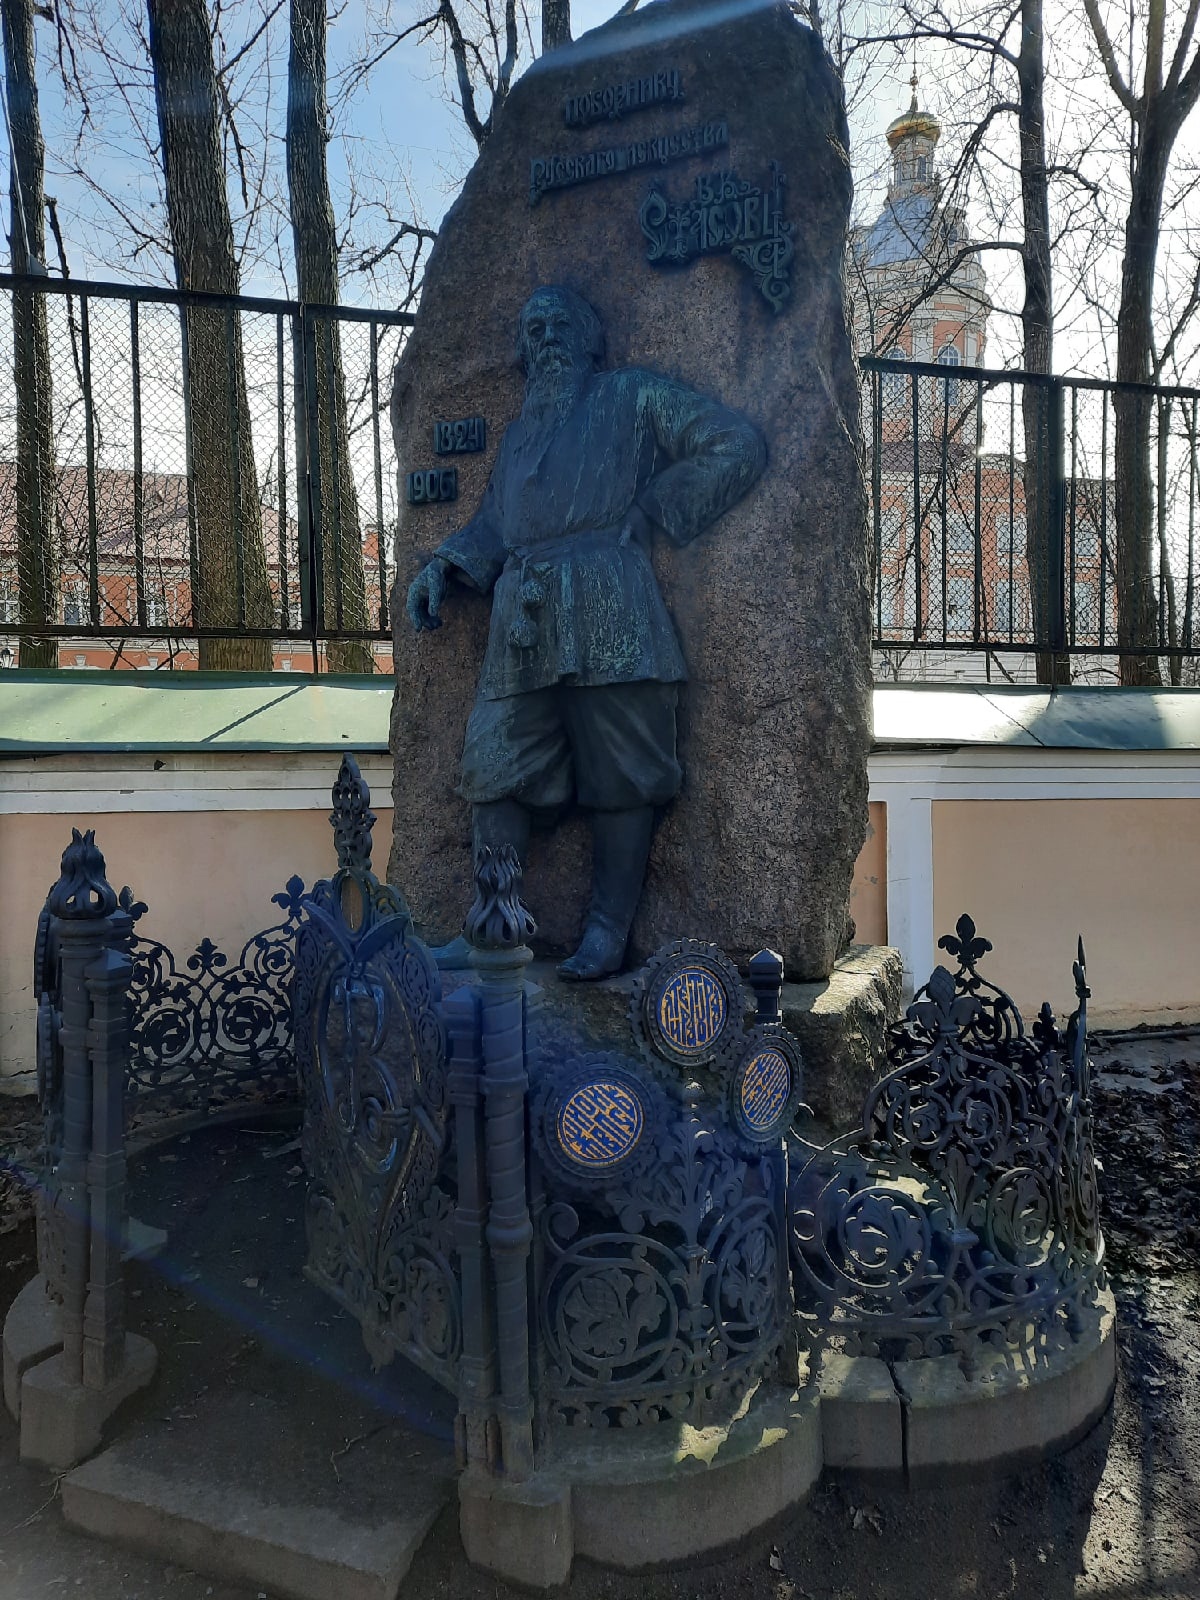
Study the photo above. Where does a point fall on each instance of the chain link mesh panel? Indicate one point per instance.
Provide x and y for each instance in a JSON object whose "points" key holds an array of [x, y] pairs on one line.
{"points": [[159, 455], [1003, 522]]}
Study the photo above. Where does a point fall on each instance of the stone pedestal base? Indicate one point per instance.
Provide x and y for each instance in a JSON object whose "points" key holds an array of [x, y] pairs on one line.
{"points": [[30, 1336], [31, 1326], [841, 1022], [62, 1421], [522, 1532], [925, 1421], [645, 1497]]}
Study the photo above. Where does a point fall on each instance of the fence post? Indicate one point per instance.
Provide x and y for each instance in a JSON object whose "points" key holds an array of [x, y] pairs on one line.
{"points": [[84, 1059], [475, 1441], [108, 978], [497, 926]]}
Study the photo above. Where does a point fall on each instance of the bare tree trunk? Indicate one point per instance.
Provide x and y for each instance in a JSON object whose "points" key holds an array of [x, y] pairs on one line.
{"points": [[315, 245], [1037, 327], [1137, 619], [1168, 611], [37, 556], [1156, 115], [556, 24], [232, 587]]}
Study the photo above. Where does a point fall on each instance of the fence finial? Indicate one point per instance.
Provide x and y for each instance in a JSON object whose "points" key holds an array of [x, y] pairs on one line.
{"points": [[352, 817], [83, 890], [498, 920]]}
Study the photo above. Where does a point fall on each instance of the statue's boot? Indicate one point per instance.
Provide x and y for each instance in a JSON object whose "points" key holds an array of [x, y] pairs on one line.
{"points": [[495, 823], [620, 850]]}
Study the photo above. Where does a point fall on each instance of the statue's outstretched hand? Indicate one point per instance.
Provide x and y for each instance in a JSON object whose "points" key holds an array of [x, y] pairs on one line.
{"points": [[425, 595]]}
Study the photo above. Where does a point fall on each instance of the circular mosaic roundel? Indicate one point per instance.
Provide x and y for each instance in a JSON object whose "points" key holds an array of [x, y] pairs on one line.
{"points": [[687, 1007], [599, 1123], [692, 1008], [766, 1087]]}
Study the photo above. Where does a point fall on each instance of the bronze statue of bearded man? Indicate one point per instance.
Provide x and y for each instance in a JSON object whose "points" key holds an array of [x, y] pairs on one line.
{"points": [[577, 698]]}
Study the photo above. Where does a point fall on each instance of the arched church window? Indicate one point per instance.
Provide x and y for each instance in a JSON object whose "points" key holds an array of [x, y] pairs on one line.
{"points": [[895, 384], [948, 356], [922, 168]]}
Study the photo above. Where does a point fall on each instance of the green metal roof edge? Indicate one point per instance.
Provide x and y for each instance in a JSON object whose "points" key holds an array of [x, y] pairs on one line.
{"points": [[53, 713], [912, 716], [229, 711]]}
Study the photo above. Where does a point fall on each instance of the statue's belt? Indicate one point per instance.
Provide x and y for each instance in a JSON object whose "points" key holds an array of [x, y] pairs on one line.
{"points": [[551, 551], [535, 564]]}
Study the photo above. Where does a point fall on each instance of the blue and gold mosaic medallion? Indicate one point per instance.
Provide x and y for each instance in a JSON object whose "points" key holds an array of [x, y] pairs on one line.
{"points": [[688, 1005], [600, 1123], [766, 1086], [593, 1118], [692, 1009]]}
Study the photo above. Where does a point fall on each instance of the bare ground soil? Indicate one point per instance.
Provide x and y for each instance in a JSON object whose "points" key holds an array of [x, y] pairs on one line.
{"points": [[1116, 1517]]}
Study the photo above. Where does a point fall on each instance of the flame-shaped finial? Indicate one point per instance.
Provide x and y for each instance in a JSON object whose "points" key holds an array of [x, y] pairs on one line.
{"points": [[497, 919]]}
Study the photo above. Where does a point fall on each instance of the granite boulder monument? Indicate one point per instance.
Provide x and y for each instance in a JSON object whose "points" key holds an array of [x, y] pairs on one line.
{"points": [[627, 428]]}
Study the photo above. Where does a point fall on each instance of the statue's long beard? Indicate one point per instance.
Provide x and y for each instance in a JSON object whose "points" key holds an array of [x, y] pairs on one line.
{"points": [[551, 393]]}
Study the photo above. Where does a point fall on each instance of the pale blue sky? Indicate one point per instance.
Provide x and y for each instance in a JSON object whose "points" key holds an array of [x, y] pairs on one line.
{"points": [[401, 131], [410, 148]]}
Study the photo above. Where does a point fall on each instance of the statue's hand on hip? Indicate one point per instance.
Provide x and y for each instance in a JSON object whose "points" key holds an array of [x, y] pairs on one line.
{"points": [[636, 528], [425, 595]]}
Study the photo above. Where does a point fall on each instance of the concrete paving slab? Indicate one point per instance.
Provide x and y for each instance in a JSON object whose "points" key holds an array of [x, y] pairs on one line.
{"points": [[247, 1493]]}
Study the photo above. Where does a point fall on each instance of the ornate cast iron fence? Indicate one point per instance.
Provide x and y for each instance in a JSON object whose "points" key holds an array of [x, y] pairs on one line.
{"points": [[206, 1035], [962, 1213], [381, 1204], [662, 1285], [558, 1234], [209, 1033]]}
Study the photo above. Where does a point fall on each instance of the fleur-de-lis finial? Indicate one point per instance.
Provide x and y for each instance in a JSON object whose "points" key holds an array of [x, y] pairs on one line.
{"points": [[497, 919], [965, 943], [83, 889]]}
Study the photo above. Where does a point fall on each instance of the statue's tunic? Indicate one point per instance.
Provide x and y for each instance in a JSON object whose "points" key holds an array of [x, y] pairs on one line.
{"points": [[574, 608]]}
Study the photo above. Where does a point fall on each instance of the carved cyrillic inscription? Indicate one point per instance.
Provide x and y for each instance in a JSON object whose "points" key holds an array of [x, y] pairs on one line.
{"points": [[612, 100], [561, 171], [725, 216]]}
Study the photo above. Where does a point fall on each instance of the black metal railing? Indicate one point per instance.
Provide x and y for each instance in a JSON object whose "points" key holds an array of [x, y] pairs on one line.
{"points": [[201, 479], [178, 468], [1000, 514]]}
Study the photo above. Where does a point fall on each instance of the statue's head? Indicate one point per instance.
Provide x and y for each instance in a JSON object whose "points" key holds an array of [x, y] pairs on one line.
{"points": [[558, 330]]}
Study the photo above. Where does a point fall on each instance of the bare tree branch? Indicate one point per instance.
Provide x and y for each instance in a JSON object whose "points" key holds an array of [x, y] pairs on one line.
{"points": [[1108, 56]]}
